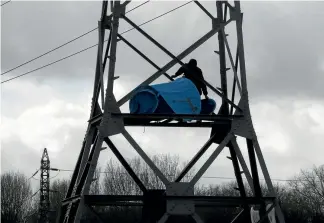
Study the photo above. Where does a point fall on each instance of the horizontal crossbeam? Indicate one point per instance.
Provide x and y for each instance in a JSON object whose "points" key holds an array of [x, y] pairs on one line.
{"points": [[157, 117], [130, 122], [119, 203], [178, 116], [104, 200]]}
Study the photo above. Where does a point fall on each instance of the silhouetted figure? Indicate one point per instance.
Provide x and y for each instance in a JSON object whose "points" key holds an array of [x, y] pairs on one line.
{"points": [[193, 73]]}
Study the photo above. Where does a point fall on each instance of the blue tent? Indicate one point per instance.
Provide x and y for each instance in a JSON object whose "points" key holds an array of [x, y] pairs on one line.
{"points": [[179, 96]]}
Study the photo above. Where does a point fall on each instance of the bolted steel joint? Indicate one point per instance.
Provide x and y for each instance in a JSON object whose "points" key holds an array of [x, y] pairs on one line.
{"points": [[234, 14], [119, 10], [216, 23], [115, 23], [112, 58], [106, 22]]}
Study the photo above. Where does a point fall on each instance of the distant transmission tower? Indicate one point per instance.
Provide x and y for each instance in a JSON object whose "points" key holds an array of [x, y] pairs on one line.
{"points": [[44, 202], [232, 120]]}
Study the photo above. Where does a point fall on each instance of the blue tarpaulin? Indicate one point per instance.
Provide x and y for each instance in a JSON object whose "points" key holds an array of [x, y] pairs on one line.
{"points": [[179, 96]]}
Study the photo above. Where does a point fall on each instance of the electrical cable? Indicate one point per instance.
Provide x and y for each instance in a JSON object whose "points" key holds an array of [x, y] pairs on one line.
{"points": [[55, 175], [10, 79], [206, 177], [28, 215], [5, 3], [65, 170], [31, 197], [159, 16], [34, 194], [56, 48], [33, 175], [137, 7], [35, 178]]}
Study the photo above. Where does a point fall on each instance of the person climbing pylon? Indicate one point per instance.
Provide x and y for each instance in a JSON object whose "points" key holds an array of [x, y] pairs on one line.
{"points": [[193, 73]]}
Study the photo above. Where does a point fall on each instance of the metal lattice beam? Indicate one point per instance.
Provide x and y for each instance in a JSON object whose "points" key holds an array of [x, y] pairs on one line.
{"points": [[44, 202], [231, 121]]}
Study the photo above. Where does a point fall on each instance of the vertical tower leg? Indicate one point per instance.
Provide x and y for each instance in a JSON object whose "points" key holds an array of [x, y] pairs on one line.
{"points": [[224, 110], [268, 180], [252, 139], [255, 176]]}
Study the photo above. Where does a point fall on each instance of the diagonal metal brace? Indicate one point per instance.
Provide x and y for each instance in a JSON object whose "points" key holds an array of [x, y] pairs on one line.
{"points": [[204, 9], [220, 26], [211, 159], [195, 158], [168, 65], [173, 62], [143, 55]]}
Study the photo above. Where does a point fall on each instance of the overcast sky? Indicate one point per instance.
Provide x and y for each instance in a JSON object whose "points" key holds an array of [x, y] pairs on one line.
{"points": [[50, 107]]}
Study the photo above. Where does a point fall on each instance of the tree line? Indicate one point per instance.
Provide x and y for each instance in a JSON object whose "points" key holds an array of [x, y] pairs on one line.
{"points": [[301, 198]]}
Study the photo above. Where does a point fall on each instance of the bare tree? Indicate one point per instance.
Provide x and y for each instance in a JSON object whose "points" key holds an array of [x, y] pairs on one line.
{"points": [[307, 189], [95, 187], [16, 197], [118, 181], [301, 199], [59, 188]]}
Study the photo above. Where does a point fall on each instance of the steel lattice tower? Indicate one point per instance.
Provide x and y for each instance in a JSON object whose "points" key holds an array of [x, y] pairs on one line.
{"points": [[231, 121], [44, 202]]}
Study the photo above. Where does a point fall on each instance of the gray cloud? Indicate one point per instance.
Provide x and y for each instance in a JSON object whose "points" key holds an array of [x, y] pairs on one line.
{"points": [[287, 54], [12, 156], [283, 57], [282, 60], [60, 22]]}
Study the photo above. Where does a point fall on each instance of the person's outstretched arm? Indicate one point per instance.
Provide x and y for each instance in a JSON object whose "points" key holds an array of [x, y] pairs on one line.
{"points": [[179, 72]]}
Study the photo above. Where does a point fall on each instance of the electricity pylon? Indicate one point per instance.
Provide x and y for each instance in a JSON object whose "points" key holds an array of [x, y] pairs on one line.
{"points": [[231, 121], [44, 202]]}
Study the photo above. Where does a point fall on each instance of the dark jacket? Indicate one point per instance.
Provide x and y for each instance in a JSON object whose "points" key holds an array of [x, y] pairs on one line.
{"points": [[194, 74]]}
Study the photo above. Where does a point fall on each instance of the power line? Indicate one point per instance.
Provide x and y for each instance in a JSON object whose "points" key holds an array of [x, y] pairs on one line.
{"points": [[35, 178], [5, 3], [33, 175], [48, 64], [27, 199], [34, 193], [55, 175], [53, 169], [56, 48], [137, 7], [10, 79], [176, 8], [206, 177]]}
